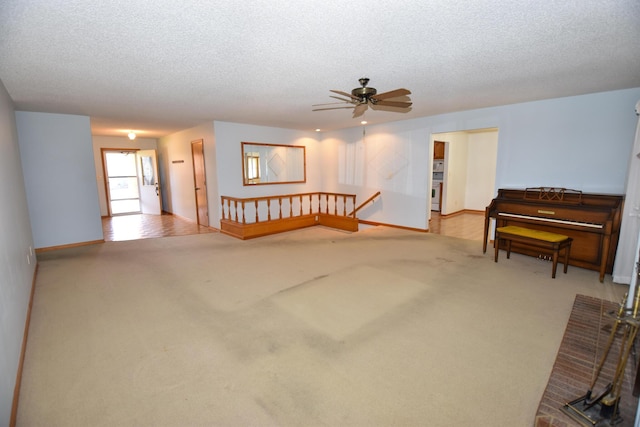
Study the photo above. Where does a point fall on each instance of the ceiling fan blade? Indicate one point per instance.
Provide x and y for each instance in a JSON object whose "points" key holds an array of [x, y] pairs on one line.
{"points": [[331, 108], [330, 103], [403, 98], [348, 95], [394, 104], [359, 110], [391, 94], [378, 107], [350, 101]]}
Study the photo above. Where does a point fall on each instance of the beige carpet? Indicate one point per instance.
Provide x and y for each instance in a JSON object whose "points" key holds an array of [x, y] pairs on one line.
{"points": [[341, 303], [309, 328]]}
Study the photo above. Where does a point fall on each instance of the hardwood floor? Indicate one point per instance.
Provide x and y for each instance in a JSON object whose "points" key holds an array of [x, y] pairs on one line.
{"points": [[465, 225], [142, 226]]}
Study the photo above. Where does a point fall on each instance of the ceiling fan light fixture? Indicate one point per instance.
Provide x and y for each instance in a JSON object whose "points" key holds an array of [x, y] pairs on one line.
{"points": [[364, 92], [362, 97]]}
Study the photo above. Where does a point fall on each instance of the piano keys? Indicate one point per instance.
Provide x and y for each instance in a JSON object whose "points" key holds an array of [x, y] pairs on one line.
{"points": [[592, 220]]}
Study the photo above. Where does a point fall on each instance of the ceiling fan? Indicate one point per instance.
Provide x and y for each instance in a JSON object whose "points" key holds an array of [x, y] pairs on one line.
{"points": [[361, 98]]}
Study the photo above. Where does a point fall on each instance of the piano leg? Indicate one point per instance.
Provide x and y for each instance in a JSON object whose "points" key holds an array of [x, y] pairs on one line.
{"points": [[555, 263], [604, 256], [486, 233]]}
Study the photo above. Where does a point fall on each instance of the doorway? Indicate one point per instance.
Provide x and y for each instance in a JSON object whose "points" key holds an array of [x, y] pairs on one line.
{"points": [[131, 181], [437, 174], [468, 169]]}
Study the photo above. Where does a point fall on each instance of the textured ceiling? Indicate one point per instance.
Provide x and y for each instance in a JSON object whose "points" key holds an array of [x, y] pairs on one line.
{"points": [[161, 66]]}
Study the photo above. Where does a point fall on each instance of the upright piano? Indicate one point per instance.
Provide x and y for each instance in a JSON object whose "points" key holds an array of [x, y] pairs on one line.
{"points": [[592, 220]]}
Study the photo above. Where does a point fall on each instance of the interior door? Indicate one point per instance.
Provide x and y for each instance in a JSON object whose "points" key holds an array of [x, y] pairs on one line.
{"points": [[150, 201], [200, 182]]}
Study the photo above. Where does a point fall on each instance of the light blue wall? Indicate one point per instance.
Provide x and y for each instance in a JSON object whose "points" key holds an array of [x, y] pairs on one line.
{"points": [[17, 263], [60, 178], [582, 142]]}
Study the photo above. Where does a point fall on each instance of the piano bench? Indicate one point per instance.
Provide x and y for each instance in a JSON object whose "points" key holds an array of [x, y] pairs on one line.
{"points": [[540, 239]]}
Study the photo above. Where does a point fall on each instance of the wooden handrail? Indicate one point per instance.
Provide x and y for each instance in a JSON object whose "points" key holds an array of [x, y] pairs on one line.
{"points": [[286, 196], [370, 199]]}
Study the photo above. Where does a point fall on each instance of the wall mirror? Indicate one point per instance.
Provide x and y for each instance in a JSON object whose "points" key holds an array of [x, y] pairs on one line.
{"points": [[273, 164]]}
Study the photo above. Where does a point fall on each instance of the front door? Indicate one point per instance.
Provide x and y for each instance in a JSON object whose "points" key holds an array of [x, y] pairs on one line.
{"points": [[150, 201], [121, 181], [200, 182]]}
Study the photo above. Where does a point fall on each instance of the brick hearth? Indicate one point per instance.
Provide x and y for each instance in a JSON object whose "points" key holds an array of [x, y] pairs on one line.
{"points": [[589, 327]]}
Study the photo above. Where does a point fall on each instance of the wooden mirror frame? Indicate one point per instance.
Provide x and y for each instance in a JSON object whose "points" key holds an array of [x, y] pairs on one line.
{"points": [[264, 164]]}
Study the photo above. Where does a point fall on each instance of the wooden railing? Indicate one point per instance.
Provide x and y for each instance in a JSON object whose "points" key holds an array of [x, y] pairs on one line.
{"points": [[363, 204], [259, 216]]}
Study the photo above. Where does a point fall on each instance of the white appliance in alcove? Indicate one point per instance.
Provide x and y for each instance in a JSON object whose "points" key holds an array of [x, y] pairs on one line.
{"points": [[436, 191], [436, 184]]}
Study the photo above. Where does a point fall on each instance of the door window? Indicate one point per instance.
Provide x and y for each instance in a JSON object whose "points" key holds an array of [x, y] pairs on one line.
{"points": [[122, 180]]}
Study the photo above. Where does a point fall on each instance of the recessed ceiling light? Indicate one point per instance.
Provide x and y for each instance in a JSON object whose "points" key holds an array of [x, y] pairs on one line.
{"points": [[132, 135], [364, 122], [318, 130]]}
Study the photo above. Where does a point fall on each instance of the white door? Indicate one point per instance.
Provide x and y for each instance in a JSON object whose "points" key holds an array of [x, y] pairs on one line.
{"points": [[150, 201]]}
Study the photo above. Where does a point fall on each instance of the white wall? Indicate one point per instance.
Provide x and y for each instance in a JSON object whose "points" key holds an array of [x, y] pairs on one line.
{"points": [[176, 179], [390, 158], [60, 178], [229, 159], [119, 142], [483, 149], [223, 158], [17, 265], [580, 142], [454, 187]]}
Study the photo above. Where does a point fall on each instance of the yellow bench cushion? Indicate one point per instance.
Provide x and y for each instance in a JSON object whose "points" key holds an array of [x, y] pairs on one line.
{"points": [[534, 234]]}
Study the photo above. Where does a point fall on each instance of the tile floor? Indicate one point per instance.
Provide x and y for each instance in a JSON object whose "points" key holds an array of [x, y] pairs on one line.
{"points": [[143, 226], [140, 226], [465, 225]]}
